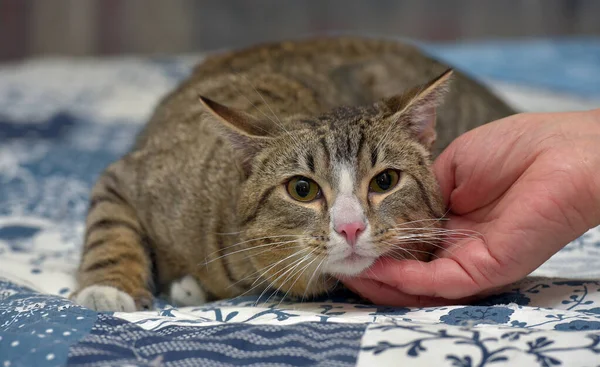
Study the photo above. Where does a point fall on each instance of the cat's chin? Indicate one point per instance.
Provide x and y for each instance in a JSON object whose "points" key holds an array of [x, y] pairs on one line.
{"points": [[349, 266]]}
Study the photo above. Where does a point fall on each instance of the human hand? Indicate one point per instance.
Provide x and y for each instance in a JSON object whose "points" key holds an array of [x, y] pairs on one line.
{"points": [[529, 183]]}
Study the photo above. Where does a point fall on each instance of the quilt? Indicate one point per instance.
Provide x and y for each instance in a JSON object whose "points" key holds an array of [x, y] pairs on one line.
{"points": [[63, 120]]}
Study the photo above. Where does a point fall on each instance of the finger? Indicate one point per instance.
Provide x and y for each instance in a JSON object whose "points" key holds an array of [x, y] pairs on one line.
{"points": [[440, 278], [382, 294]]}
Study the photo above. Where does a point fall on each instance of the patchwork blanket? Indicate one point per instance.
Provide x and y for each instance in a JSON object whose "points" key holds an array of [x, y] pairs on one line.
{"points": [[63, 120]]}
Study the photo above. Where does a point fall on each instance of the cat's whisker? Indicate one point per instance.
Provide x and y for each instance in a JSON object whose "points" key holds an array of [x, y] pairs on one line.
{"points": [[443, 218], [299, 271], [269, 283], [286, 245], [369, 270], [413, 250], [297, 264], [425, 252], [337, 282], [434, 220], [437, 229], [299, 237], [436, 239], [266, 238], [401, 257], [278, 246], [446, 213], [436, 243], [433, 236], [311, 278], [249, 249], [433, 241], [303, 270], [429, 222], [416, 239], [228, 233], [285, 281], [450, 246], [405, 250], [453, 238], [466, 233], [400, 244], [262, 274], [300, 276]]}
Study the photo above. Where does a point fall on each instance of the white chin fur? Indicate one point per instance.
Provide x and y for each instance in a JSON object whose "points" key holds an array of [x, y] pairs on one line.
{"points": [[349, 267]]}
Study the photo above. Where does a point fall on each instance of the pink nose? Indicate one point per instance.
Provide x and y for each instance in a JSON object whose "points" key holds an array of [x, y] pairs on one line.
{"points": [[350, 231]]}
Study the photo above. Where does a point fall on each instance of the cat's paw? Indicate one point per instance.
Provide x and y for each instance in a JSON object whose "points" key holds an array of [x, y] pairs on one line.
{"points": [[186, 292], [105, 298]]}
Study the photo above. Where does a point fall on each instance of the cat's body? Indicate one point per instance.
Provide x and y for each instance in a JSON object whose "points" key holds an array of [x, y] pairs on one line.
{"points": [[196, 198]]}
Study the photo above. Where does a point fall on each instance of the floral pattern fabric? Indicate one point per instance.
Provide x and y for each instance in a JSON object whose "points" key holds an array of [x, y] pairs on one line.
{"points": [[63, 120]]}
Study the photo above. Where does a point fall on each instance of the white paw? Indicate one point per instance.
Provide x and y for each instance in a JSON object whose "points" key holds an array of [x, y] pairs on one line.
{"points": [[187, 292], [105, 298]]}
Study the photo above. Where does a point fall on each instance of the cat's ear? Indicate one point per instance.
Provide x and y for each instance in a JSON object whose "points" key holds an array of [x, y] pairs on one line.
{"points": [[246, 134], [416, 109], [238, 121]]}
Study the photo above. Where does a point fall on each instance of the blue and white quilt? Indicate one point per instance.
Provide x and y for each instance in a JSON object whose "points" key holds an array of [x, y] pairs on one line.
{"points": [[63, 120]]}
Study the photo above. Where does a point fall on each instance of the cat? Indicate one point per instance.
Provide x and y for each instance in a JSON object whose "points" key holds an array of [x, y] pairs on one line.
{"points": [[278, 167]]}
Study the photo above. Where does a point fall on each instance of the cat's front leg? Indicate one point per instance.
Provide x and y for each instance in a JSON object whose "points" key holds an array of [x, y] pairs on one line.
{"points": [[115, 273], [186, 292]]}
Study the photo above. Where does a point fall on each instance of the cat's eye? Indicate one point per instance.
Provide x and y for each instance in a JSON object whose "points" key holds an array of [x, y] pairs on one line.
{"points": [[303, 189], [384, 181]]}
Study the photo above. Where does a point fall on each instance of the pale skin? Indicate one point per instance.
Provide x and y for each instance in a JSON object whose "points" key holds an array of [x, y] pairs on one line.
{"points": [[529, 183]]}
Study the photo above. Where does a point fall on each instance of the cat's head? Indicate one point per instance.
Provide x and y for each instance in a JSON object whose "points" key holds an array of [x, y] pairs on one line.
{"points": [[327, 196]]}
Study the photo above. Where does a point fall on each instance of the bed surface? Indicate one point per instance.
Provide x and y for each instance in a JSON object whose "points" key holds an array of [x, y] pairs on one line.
{"points": [[63, 120]]}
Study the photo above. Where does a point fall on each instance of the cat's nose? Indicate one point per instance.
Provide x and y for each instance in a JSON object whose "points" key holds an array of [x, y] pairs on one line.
{"points": [[350, 231]]}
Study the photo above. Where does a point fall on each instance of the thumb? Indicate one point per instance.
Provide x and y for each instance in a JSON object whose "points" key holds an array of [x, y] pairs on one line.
{"points": [[443, 169], [483, 163]]}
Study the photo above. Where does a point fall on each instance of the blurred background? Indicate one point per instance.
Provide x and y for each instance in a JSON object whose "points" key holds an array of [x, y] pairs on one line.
{"points": [[111, 27]]}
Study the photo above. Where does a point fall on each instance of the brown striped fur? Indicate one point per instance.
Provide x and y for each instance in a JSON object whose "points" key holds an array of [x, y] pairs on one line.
{"points": [[205, 183]]}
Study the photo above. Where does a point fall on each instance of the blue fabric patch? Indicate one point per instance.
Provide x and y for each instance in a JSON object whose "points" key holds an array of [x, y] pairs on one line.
{"points": [[116, 342], [38, 329], [473, 315]]}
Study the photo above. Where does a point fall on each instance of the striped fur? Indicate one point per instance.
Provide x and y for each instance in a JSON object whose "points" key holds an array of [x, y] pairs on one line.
{"points": [[202, 193]]}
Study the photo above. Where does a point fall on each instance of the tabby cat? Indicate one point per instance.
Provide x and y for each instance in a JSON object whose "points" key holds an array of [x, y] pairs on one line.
{"points": [[278, 167]]}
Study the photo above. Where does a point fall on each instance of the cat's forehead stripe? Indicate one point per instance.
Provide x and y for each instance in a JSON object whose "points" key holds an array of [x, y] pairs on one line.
{"points": [[346, 181], [325, 149], [346, 142], [374, 156], [310, 162], [361, 142]]}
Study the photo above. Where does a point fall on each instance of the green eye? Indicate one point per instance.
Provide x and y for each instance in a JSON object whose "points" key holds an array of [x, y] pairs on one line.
{"points": [[303, 189], [384, 181]]}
